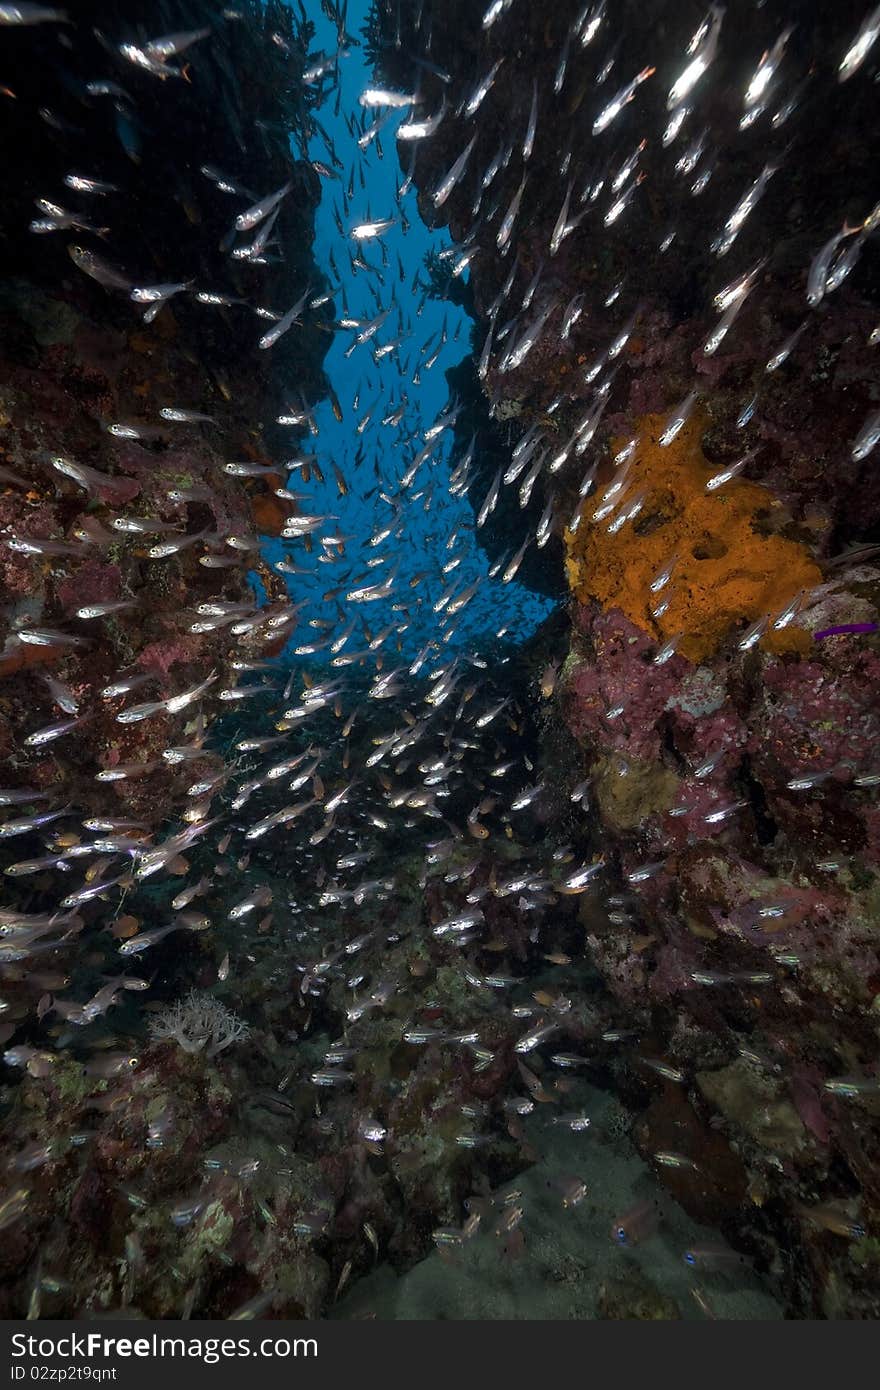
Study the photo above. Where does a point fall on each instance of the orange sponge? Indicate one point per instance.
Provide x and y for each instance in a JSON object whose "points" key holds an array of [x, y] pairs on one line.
{"points": [[727, 571]]}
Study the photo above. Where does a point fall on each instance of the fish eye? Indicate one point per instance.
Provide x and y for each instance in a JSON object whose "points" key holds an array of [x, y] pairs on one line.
{"points": [[690, 1258], [620, 1235]]}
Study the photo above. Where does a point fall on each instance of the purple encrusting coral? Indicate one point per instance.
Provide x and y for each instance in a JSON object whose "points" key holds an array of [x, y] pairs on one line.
{"points": [[845, 628]]}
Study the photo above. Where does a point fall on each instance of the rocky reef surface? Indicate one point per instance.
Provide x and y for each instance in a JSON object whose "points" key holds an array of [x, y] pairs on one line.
{"points": [[582, 1263], [102, 499]]}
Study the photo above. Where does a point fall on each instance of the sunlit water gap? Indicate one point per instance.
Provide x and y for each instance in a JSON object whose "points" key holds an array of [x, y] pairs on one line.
{"points": [[427, 527]]}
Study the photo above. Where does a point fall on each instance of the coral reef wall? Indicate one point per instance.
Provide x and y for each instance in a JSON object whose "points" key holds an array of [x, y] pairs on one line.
{"points": [[103, 500], [137, 487], [719, 529]]}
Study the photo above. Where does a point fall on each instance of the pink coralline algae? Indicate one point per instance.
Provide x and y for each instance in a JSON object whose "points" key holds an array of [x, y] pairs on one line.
{"points": [[92, 582], [117, 491], [613, 675], [161, 656], [813, 721], [29, 522]]}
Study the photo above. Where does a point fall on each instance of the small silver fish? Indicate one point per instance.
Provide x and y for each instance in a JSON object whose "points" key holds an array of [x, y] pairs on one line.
{"points": [[13, 15], [186, 417], [861, 46], [867, 437], [261, 210], [109, 276], [367, 231], [385, 96]]}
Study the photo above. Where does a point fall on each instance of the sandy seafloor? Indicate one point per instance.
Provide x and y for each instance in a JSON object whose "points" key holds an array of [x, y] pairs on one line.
{"points": [[570, 1267]]}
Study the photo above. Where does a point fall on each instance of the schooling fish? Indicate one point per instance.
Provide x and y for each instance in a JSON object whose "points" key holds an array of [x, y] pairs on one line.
{"points": [[99, 270], [637, 1224], [385, 96], [261, 210], [22, 14], [861, 46], [454, 175]]}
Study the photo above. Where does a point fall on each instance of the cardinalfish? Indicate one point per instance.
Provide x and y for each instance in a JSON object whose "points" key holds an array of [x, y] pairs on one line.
{"points": [[637, 1224], [714, 1257], [832, 1218]]}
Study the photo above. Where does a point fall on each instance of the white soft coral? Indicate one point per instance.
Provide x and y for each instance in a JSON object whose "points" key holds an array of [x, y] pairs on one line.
{"points": [[200, 1022]]}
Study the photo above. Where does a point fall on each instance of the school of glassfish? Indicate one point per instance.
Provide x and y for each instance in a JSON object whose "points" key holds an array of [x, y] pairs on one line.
{"points": [[373, 820]]}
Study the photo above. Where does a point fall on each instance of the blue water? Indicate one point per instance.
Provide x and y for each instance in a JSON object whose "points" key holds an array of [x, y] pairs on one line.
{"points": [[428, 514]]}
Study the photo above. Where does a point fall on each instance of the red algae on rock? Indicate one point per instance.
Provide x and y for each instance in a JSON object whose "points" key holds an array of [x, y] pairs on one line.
{"points": [[730, 568]]}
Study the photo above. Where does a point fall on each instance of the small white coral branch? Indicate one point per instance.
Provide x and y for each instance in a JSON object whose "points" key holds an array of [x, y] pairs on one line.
{"points": [[200, 1022]]}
